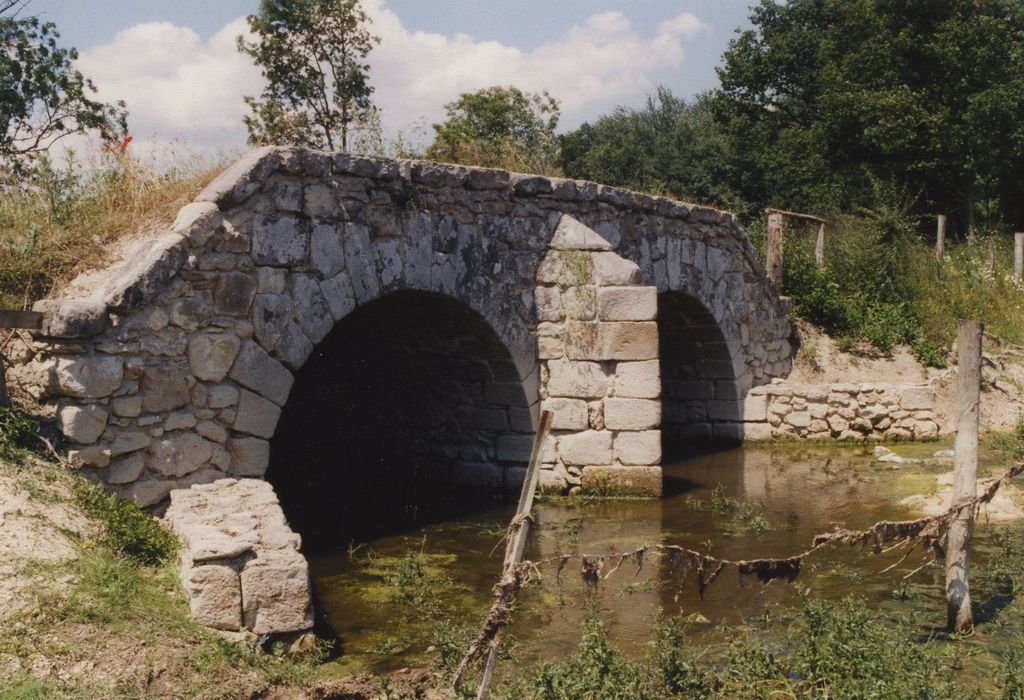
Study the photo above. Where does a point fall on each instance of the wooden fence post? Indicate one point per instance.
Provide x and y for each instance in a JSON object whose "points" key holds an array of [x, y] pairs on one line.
{"points": [[819, 247], [940, 238], [773, 261], [965, 476], [1018, 255], [991, 271]]}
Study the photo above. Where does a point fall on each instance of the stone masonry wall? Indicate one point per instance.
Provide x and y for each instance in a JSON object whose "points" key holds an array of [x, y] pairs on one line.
{"points": [[171, 367], [841, 412]]}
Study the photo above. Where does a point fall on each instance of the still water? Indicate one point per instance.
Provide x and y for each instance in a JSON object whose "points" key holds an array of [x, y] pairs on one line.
{"points": [[783, 496]]}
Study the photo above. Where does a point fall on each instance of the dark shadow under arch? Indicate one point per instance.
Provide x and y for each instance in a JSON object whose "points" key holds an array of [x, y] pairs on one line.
{"points": [[701, 406], [409, 401]]}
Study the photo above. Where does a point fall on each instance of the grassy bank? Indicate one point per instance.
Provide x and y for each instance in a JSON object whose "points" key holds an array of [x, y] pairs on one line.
{"points": [[59, 221]]}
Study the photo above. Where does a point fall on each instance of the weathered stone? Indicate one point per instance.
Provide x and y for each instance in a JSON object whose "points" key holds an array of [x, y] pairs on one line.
{"points": [[212, 431], [627, 303], [573, 235], [800, 419], [276, 597], [178, 455], [623, 340], [82, 424], [198, 222], [126, 406], [256, 415], [340, 298], [311, 309], [233, 293], [917, 398], [224, 395], [631, 414], [549, 304], [569, 414], [129, 441], [359, 263], [87, 377], [249, 456], [211, 356], [278, 240], [149, 492], [96, 456], [638, 448], [214, 595], [514, 448], [190, 313], [638, 380], [610, 269], [326, 254], [755, 408], [622, 481], [72, 318], [255, 369], [576, 379], [164, 387], [320, 201], [126, 469], [588, 447]]}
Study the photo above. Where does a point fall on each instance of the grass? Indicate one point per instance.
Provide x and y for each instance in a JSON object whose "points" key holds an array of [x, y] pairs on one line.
{"points": [[129, 531], [59, 222], [743, 516]]}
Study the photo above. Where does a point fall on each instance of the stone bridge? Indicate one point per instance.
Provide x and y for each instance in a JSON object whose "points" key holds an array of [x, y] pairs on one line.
{"points": [[313, 317]]}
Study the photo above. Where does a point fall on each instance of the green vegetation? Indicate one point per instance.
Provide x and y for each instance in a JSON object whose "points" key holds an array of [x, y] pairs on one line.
{"points": [[743, 516], [16, 431], [129, 531], [500, 127]]}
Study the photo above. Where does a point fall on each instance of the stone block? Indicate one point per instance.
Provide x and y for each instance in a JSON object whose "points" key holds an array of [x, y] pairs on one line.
{"points": [[505, 393], [571, 234], [178, 455], [198, 222], [637, 380], [255, 369], [320, 201], [627, 303], [514, 448], [638, 448], [572, 379], [340, 298], [212, 431], [126, 469], [190, 313], [617, 340], [93, 456], [359, 263], [310, 305], [256, 416], [233, 293], [211, 356], [87, 376], [224, 395], [326, 254], [126, 406], [755, 408], [279, 241], [610, 269], [588, 447], [478, 474], [917, 398], [799, 419], [549, 304], [276, 596], [164, 387], [249, 457], [612, 481], [569, 414], [129, 441], [82, 424], [757, 431], [150, 491], [631, 414], [181, 420], [214, 596], [725, 410]]}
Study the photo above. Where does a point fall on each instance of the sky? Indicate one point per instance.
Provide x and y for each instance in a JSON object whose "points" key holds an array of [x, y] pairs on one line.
{"points": [[175, 63]]}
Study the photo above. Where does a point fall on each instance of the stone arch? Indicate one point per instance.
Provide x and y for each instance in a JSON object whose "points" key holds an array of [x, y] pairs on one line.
{"points": [[170, 367], [408, 396]]}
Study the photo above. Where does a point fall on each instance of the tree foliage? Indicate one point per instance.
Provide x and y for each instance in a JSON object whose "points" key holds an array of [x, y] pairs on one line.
{"points": [[313, 55], [499, 127], [821, 96], [670, 146], [42, 97]]}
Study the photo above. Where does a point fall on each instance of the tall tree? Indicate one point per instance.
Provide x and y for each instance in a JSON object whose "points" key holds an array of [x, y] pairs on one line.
{"points": [[670, 146], [823, 96], [312, 54], [43, 99], [500, 127]]}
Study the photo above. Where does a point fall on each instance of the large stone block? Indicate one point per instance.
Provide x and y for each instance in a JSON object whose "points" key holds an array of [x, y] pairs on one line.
{"points": [[276, 596], [211, 356], [249, 457], [179, 454], [638, 380], [755, 408], [256, 415], [87, 377], [632, 482], [164, 388], [340, 298], [638, 448], [233, 293], [255, 369], [214, 596], [588, 447], [326, 254], [311, 309], [917, 398], [569, 414], [617, 340], [627, 303], [82, 424], [580, 380], [573, 235], [610, 269], [632, 414], [514, 448], [279, 241]]}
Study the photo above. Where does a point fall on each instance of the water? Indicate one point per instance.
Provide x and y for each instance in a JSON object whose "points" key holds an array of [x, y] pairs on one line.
{"points": [[796, 493]]}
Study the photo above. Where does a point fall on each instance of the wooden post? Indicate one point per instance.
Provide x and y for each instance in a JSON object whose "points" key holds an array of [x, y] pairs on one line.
{"points": [[991, 258], [819, 247], [773, 261], [1018, 255], [940, 238], [965, 476]]}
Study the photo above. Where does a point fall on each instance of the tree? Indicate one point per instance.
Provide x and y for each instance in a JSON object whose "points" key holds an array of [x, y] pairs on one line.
{"points": [[822, 96], [312, 54], [43, 99], [670, 146], [501, 127]]}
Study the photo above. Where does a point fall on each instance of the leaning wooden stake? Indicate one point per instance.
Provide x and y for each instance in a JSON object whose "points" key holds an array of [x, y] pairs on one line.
{"points": [[940, 238], [773, 260], [1018, 255], [819, 247], [965, 476], [506, 589]]}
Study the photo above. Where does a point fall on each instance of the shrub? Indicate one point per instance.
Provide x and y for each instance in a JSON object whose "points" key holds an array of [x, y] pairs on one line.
{"points": [[16, 427], [128, 530]]}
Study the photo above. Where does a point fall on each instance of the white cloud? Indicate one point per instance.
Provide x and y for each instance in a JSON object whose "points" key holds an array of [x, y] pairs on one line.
{"points": [[178, 86]]}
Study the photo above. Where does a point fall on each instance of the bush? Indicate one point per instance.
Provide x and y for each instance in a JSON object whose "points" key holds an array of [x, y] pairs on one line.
{"points": [[16, 427], [129, 531]]}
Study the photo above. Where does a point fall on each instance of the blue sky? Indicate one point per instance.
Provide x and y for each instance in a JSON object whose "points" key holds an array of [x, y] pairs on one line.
{"points": [[174, 61]]}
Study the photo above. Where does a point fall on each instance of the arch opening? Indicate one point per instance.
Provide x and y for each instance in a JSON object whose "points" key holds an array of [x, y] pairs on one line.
{"points": [[701, 407], [408, 402]]}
